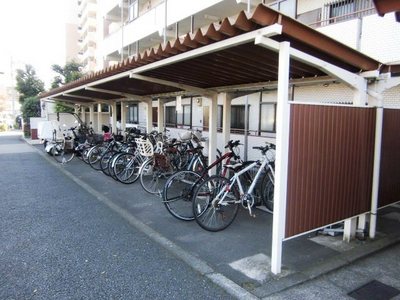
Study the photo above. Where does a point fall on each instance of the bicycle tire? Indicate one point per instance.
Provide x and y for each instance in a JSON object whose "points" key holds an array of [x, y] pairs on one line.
{"points": [[105, 160], [152, 180], [85, 153], [268, 187], [209, 214], [177, 194], [62, 155], [111, 165], [126, 168], [94, 157]]}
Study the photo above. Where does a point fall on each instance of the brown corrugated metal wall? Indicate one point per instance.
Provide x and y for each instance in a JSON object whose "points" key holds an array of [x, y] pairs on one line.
{"points": [[330, 165], [389, 183]]}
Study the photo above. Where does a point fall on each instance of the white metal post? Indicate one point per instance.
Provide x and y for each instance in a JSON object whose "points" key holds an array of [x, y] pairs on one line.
{"points": [[349, 231], [212, 142], [123, 116], [91, 115], [377, 164], [114, 117], [149, 119], [246, 129], [99, 118], [83, 114], [160, 117], [226, 117], [282, 152]]}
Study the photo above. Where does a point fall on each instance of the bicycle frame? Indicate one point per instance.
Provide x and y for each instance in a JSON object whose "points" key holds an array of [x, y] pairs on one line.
{"points": [[236, 179]]}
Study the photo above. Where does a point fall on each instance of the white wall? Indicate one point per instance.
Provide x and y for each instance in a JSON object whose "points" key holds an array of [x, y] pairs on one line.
{"points": [[153, 21], [391, 98]]}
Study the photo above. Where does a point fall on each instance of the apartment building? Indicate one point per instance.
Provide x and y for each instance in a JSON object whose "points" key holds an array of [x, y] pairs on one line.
{"points": [[131, 26], [88, 38], [114, 30]]}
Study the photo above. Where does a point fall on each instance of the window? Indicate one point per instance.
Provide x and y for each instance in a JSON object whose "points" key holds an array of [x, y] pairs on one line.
{"points": [[220, 117], [155, 116], [267, 117], [237, 117], [341, 8], [184, 118], [133, 114], [170, 116], [288, 7], [133, 9]]}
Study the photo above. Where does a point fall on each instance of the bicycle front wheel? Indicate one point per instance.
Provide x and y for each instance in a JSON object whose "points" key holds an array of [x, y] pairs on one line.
{"points": [[152, 179], [95, 155], [268, 187], [178, 192], [126, 168], [214, 213], [61, 154]]}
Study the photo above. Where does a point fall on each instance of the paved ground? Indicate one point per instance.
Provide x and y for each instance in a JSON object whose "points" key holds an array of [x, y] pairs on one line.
{"points": [[57, 241], [236, 259]]}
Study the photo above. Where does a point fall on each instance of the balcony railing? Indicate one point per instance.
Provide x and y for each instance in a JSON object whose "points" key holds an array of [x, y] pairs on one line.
{"points": [[338, 11]]}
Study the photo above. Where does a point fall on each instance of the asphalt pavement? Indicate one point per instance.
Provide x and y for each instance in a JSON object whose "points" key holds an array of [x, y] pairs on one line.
{"points": [[70, 232], [57, 241]]}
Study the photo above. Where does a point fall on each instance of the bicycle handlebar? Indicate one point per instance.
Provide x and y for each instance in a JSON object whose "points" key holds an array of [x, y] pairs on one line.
{"points": [[265, 148]]}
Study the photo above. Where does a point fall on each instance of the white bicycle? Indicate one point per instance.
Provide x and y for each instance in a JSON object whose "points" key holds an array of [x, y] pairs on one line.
{"points": [[216, 200]]}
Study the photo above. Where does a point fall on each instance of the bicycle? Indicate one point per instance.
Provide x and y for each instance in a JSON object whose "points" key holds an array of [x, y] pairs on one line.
{"points": [[216, 199], [178, 190]]}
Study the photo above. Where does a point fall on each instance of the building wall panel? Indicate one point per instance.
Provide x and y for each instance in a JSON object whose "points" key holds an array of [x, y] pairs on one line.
{"points": [[389, 191], [330, 165]]}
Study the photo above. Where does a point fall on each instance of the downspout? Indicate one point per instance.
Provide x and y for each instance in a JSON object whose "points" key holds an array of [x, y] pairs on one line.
{"points": [[246, 128], [377, 165], [122, 30], [165, 23]]}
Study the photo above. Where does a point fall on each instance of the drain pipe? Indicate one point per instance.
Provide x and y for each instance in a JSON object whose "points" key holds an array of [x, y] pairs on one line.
{"points": [[377, 164]]}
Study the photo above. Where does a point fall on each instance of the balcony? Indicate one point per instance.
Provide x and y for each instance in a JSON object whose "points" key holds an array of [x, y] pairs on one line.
{"points": [[336, 12]]}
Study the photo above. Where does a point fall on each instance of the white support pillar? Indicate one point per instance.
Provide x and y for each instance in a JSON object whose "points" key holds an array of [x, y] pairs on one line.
{"points": [[123, 116], [226, 115], [149, 119], [114, 117], [350, 227], [160, 116], [99, 118], [91, 115], [282, 153], [83, 114], [362, 221], [212, 138], [76, 109]]}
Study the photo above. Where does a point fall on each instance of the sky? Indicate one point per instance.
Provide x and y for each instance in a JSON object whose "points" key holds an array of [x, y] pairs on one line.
{"points": [[32, 32]]}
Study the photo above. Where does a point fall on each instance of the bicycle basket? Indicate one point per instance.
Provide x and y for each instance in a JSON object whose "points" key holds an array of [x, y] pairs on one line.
{"points": [[69, 144], [95, 138], [118, 137], [144, 147], [161, 162], [186, 136]]}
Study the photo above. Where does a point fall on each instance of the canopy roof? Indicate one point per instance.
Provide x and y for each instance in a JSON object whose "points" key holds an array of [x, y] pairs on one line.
{"points": [[227, 64]]}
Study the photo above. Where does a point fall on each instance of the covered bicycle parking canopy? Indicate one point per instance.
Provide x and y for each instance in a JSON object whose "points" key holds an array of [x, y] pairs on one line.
{"points": [[328, 164]]}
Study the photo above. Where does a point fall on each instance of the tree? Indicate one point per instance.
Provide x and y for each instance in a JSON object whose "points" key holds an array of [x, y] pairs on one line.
{"points": [[59, 107], [30, 108], [28, 85], [70, 72]]}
